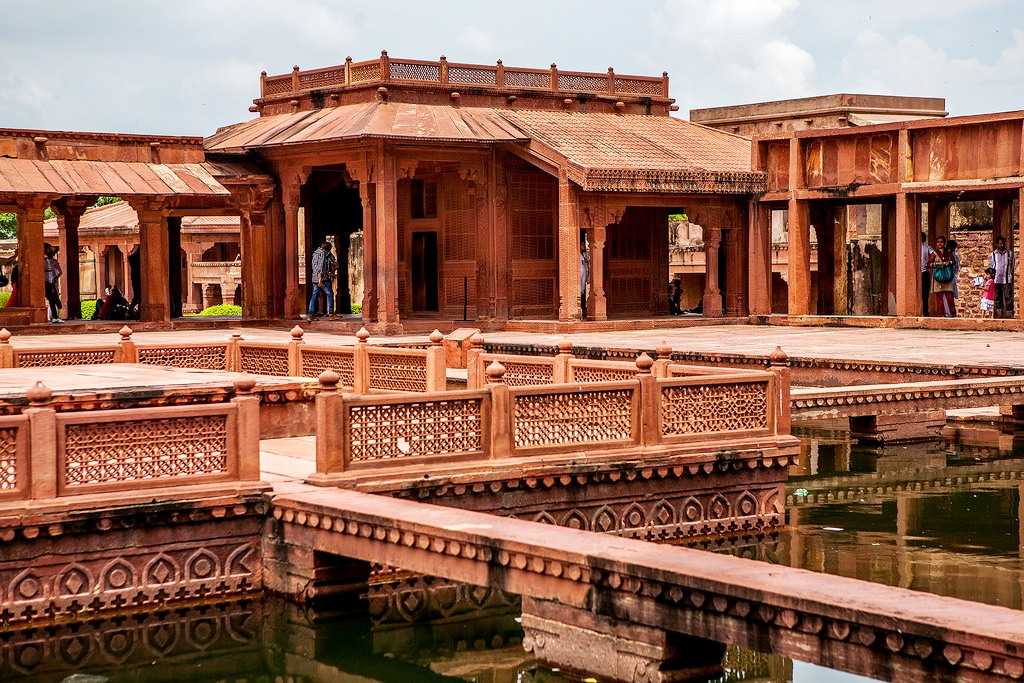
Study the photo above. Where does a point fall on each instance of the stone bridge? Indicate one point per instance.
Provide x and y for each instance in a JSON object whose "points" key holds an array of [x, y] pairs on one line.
{"points": [[611, 605], [907, 411]]}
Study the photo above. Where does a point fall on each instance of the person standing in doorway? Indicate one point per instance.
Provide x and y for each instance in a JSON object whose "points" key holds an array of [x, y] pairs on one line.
{"points": [[1001, 261], [324, 267], [52, 288], [926, 279], [943, 274]]}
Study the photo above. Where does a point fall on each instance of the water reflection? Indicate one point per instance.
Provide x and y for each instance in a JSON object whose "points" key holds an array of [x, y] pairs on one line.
{"points": [[942, 517]]}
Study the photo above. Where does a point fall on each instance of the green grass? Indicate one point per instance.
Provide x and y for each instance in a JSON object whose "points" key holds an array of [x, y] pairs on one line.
{"points": [[88, 309], [222, 310]]}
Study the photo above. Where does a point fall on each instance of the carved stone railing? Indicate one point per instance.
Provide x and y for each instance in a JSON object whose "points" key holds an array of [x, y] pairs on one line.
{"points": [[498, 77], [363, 368], [47, 454], [502, 421]]}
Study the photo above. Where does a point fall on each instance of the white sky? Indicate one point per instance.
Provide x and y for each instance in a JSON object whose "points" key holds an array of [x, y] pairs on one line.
{"points": [[189, 66]]}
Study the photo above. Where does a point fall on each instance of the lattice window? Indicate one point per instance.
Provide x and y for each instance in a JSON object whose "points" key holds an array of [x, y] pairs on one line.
{"points": [[459, 223], [319, 79], [8, 459], [463, 74], [343, 363], [455, 289], [415, 429], [134, 450], [527, 79], [582, 82], [49, 359], [361, 73], [409, 71], [520, 374], [699, 409], [638, 86], [533, 292], [585, 374], [632, 291], [573, 418], [199, 357], [278, 86], [534, 203], [264, 361], [397, 372]]}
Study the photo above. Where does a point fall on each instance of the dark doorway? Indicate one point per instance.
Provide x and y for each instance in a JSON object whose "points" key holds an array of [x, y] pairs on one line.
{"points": [[424, 271]]}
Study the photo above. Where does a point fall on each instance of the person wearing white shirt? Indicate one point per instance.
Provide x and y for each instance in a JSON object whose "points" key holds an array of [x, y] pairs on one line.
{"points": [[1001, 261], [926, 278]]}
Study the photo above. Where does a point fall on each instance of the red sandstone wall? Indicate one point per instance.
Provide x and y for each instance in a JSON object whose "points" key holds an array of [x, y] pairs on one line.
{"points": [[975, 247]]}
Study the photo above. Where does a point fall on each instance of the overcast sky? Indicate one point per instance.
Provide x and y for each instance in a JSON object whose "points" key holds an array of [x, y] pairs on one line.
{"points": [[189, 66]]}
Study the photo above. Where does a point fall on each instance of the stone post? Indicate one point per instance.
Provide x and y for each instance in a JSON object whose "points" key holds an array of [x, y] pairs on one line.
{"points": [[908, 256], [154, 260], [127, 351], [330, 431], [759, 260], [712, 293], [295, 352], [599, 299], [361, 363], [437, 378], [561, 371], [293, 304], [650, 402], [42, 428], [664, 351], [233, 354], [568, 249], [69, 215], [31, 287], [474, 367], [780, 368], [6, 349], [247, 424], [386, 233], [501, 412]]}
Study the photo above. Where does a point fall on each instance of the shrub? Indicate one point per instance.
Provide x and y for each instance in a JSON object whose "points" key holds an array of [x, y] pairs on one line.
{"points": [[88, 309], [4, 298], [222, 310], [357, 309]]}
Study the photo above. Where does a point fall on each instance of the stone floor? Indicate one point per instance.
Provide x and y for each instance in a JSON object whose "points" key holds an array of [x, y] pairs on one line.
{"points": [[927, 346]]}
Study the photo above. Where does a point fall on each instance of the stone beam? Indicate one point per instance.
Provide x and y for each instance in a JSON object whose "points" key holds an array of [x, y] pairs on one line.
{"points": [[834, 621]]}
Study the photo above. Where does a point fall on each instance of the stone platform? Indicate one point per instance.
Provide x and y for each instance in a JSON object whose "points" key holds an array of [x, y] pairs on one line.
{"points": [[286, 402]]}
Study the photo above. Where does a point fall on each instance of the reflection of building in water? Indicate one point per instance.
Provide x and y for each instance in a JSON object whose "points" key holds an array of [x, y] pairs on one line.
{"points": [[920, 518]]}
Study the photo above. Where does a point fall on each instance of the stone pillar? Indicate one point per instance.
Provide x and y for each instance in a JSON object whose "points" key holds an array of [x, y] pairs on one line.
{"points": [[759, 260], [799, 258], [615, 649], [908, 256], [31, 265], [174, 280], [293, 304], [69, 215], [712, 293], [254, 246], [367, 197], [889, 253], [386, 234], [839, 215], [154, 260], [599, 301], [568, 249]]}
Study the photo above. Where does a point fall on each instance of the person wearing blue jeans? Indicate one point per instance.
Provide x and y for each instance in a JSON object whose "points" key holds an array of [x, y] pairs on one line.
{"points": [[324, 267]]}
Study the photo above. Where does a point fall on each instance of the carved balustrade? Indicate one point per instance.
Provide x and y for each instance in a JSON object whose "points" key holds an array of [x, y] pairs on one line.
{"points": [[363, 368], [47, 454], [502, 421]]}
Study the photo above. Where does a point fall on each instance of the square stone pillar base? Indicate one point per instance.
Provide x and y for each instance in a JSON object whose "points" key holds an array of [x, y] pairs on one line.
{"points": [[904, 428], [586, 643]]}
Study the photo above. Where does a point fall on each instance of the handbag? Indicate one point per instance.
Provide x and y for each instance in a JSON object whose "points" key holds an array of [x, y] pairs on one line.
{"points": [[944, 273]]}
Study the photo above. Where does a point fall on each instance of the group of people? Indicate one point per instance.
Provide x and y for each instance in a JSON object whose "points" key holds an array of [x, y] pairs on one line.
{"points": [[940, 266]]}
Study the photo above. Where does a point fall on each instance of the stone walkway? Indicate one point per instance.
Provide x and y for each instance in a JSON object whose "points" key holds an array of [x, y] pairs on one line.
{"points": [[947, 347], [926, 346]]}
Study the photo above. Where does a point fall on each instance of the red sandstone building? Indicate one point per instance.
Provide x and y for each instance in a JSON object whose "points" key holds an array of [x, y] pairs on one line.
{"points": [[476, 188]]}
